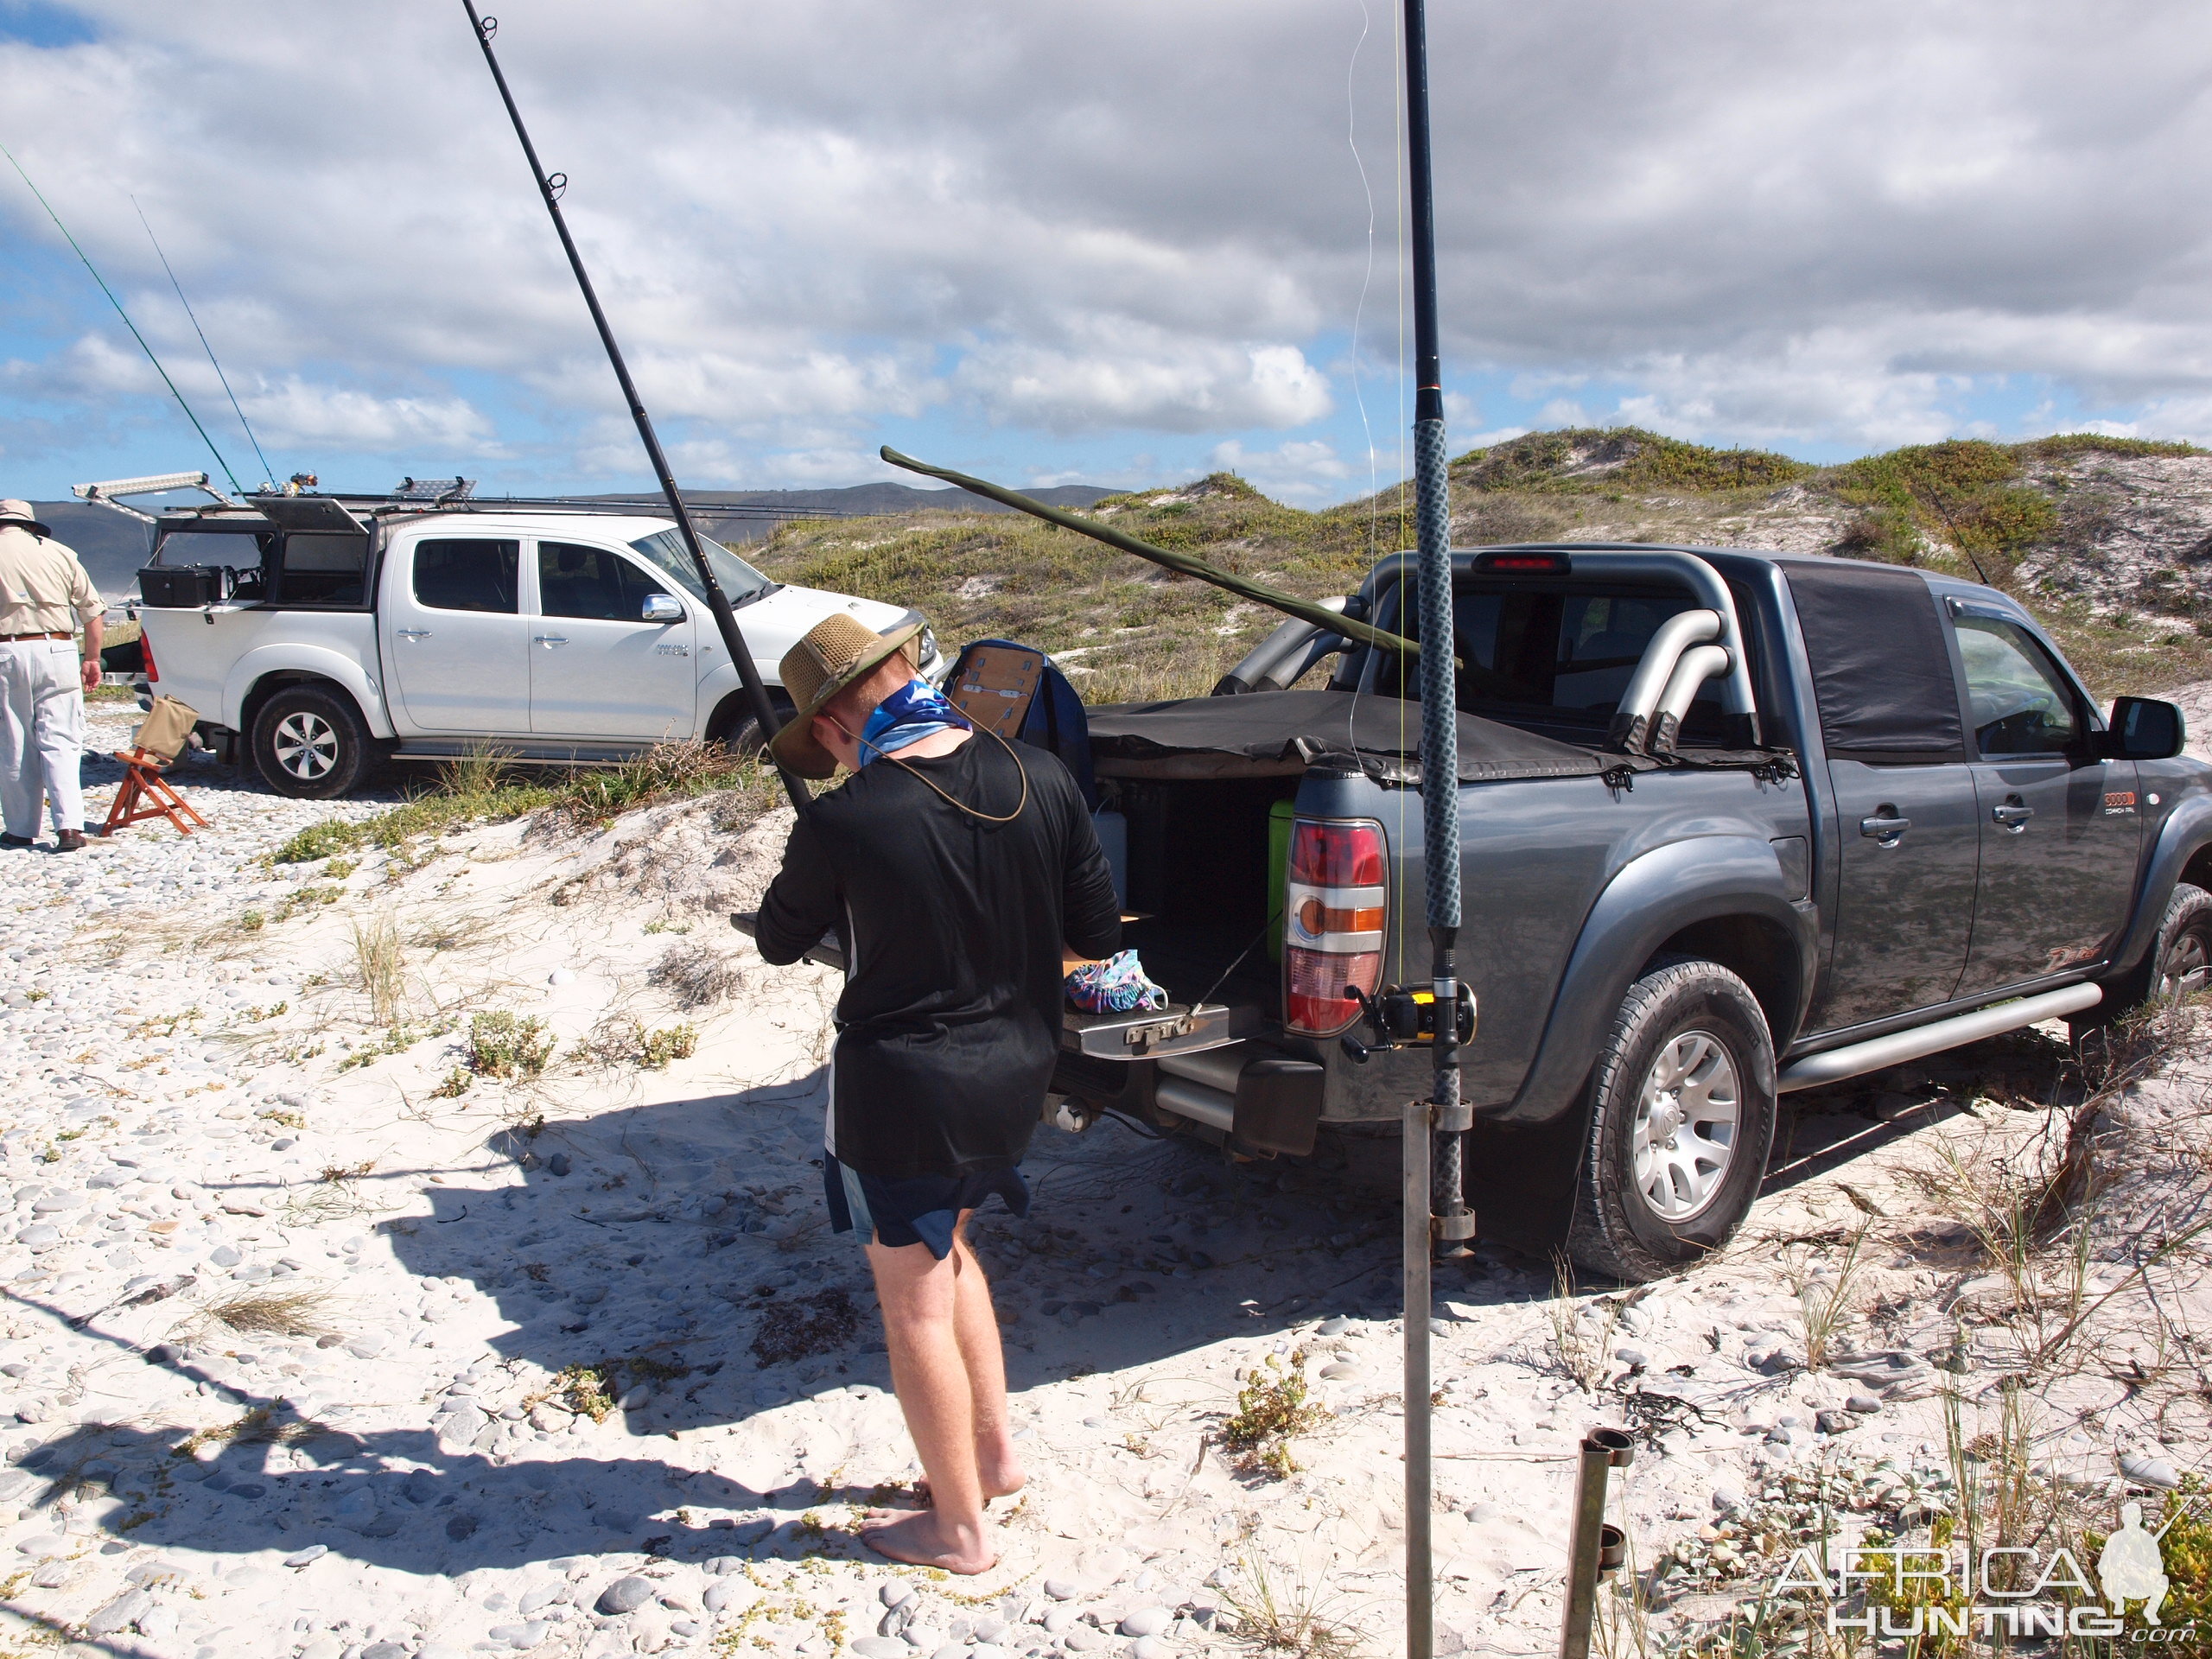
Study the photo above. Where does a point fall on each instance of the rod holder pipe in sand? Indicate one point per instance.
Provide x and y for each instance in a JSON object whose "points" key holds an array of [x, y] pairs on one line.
{"points": [[1182, 564], [1435, 1203], [749, 672], [1595, 1549]]}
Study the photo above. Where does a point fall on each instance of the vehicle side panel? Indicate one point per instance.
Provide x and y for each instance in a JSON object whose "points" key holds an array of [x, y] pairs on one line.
{"points": [[213, 659]]}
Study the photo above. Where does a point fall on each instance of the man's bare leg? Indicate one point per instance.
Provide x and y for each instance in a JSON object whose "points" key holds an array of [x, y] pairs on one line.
{"points": [[998, 1466], [919, 1296]]}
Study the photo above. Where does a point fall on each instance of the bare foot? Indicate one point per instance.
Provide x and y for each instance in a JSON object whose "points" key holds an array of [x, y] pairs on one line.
{"points": [[1001, 1477], [924, 1538]]}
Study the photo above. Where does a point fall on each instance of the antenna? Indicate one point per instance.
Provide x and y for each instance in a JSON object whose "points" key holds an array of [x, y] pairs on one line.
{"points": [[127, 323], [550, 187], [1435, 1211], [268, 473]]}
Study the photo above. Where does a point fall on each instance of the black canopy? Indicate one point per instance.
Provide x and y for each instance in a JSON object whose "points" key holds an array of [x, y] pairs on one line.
{"points": [[1288, 731], [1881, 666]]}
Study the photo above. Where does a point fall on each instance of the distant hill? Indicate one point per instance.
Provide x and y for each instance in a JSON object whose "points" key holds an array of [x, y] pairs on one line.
{"points": [[853, 500], [112, 548]]}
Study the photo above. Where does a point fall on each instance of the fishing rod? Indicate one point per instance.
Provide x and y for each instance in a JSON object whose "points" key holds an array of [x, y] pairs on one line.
{"points": [[268, 473], [549, 188], [236, 486], [1181, 563], [1435, 1208]]}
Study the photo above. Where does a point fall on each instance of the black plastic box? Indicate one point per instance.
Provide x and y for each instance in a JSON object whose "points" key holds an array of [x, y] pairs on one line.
{"points": [[185, 587]]}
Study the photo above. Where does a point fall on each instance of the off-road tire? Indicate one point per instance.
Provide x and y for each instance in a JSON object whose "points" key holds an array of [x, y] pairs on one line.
{"points": [[1616, 1231], [2178, 963], [312, 744]]}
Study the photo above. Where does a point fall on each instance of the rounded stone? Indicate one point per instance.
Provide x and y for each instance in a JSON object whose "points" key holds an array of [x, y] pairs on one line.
{"points": [[1148, 1621], [625, 1596]]}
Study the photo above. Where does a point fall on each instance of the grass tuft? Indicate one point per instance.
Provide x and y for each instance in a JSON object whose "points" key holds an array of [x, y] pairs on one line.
{"points": [[500, 1045], [1272, 1411]]}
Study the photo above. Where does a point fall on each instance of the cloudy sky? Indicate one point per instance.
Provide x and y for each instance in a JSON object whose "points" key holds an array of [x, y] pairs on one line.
{"points": [[1088, 242]]}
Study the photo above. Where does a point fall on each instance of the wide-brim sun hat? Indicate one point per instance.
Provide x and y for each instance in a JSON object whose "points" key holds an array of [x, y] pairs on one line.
{"points": [[19, 512], [832, 654]]}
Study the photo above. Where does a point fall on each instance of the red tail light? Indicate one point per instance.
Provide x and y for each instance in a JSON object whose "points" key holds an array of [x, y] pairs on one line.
{"points": [[1335, 914], [146, 653]]}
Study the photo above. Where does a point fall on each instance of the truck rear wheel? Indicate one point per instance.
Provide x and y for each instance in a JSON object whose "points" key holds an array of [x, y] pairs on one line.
{"points": [[2179, 963], [312, 743], [1681, 1119]]}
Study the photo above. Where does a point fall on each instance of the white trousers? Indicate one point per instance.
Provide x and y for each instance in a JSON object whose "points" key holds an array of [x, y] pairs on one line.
{"points": [[41, 733]]}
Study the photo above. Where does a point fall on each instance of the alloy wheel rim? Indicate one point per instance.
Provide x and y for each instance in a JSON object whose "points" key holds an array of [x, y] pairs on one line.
{"points": [[1688, 1112], [307, 746], [2188, 966]]}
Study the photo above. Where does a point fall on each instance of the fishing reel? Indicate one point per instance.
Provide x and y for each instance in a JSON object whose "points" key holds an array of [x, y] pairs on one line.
{"points": [[1401, 1017]]}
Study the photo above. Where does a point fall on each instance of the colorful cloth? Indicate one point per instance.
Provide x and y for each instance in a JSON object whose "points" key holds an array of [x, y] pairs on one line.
{"points": [[1117, 985], [915, 711]]}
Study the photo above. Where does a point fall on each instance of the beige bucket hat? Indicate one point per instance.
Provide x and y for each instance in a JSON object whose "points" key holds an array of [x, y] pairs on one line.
{"points": [[13, 511], [833, 653]]}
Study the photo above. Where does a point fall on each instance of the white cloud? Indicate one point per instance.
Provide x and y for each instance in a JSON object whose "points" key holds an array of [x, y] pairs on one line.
{"points": [[1810, 223], [1299, 471]]}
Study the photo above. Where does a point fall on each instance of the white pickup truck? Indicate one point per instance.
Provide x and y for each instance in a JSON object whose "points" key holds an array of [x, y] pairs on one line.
{"points": [[327, 634]]}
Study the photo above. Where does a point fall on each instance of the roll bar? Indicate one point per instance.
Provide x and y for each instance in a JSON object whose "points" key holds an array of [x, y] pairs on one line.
{"points": [[1279, 660], [1677, 566], [1692, 670]]}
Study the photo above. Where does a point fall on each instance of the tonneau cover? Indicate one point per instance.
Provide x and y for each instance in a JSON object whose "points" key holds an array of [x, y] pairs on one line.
{"points": [[1283, 732], [1288, 731]]}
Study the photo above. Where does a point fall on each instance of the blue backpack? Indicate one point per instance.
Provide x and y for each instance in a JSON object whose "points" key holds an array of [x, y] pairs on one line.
{"points": [[993, 685]]}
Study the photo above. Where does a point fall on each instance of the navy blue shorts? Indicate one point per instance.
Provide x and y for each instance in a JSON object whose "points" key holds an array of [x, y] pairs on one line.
{"points": [[923, 1210]]}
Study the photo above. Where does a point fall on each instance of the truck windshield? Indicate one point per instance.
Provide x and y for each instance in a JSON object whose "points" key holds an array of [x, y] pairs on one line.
{"points": [[1563, 657], [664, 551]]}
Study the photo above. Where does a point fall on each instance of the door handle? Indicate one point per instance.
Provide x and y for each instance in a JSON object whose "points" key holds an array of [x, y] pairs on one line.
{"points": [[414, 633], [1885, 826], [551, 639], [2013, 814]]}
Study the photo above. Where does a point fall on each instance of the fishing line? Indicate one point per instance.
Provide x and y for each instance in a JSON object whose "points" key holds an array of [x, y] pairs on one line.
{"points": [[237, 486], [268, 473]]}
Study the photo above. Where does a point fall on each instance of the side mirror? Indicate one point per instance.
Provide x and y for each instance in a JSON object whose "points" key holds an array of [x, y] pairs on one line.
{"points": [[2143, 728], [661, 607]]}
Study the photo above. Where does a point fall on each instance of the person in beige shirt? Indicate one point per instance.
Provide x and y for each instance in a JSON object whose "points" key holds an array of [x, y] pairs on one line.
{"points": [[44, 597]]}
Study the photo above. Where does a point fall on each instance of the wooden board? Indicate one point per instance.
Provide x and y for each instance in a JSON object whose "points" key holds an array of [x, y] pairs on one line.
{"points": [[994, 686]]}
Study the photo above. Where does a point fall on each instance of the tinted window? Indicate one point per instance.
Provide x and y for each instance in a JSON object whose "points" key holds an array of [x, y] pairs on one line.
{"points": [[1563, 657], [2021, 705], [454, 575], [322, 568], [590, 582]]}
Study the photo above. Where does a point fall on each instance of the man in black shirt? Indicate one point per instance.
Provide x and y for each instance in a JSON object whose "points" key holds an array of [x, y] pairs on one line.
{"points": [[959, 872]]}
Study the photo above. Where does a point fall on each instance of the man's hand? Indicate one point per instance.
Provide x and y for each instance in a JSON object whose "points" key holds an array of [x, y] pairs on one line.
{"points": [[95, 634]]}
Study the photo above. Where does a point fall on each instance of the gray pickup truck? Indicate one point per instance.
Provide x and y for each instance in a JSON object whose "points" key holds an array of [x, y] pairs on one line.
{"points": [[1734, 824]]}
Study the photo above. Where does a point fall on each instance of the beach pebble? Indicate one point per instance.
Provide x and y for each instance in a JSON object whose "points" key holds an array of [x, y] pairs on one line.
{"points": [[561, 976], [2148, 1471], [1063, 1589], [1635, 1358], [1150, 1647], [312, 1552], [124, 1611], [1864, 1404], [1339, 1372], [881, 1646], [625, 1596], [894, 1592], [384, 1650], [1834, 1423], [1146, 1621]]}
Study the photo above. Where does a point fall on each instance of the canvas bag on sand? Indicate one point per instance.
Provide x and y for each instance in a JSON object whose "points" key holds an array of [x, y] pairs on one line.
{"points": [[167, 727]]}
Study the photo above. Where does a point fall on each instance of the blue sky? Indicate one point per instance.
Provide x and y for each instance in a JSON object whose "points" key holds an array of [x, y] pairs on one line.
{"points": [[1123, 245]]}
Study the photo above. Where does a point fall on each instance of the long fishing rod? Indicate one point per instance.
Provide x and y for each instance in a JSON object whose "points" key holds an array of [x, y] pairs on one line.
{"points": [[1434, 1201], [749, 672], [237, 486], [268, 473]]}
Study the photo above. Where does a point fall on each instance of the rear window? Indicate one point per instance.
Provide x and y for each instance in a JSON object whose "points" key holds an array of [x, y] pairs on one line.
{"points": [[322, 568], [1561, 656]]}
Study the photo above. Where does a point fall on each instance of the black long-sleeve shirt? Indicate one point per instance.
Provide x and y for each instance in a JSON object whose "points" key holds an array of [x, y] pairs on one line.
{"points": [[952, 929]]}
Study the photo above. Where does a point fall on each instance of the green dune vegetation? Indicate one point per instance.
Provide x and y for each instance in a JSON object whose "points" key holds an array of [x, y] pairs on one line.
{"points": [[2099, 535]]}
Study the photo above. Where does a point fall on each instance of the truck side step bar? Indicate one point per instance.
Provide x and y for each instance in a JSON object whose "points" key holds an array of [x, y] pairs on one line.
{"points": [[1895, 1049]]}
